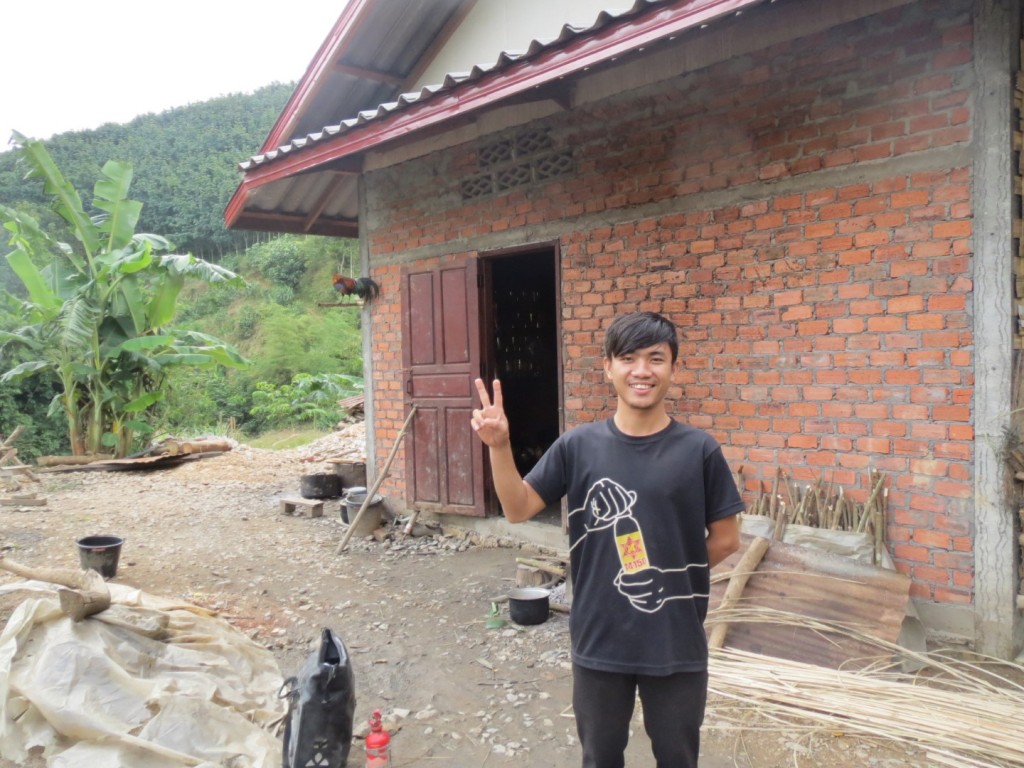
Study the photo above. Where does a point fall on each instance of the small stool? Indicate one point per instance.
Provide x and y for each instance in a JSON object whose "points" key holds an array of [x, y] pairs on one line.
{"points": [[302, 507]]}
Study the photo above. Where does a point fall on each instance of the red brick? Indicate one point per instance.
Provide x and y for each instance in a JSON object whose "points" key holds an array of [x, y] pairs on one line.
{"points": [[873, 445], [886, 324], [915, 554], [931, 574], [962, 596], [910, 199], [952, 229], [958, 490], [925, 322], [901, 304]]}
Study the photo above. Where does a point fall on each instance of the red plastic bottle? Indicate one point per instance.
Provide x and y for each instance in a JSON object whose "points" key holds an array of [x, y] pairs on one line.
{"points": [[378, 744]]}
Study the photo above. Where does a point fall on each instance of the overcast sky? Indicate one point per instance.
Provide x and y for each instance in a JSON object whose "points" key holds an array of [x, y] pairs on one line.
{"points": [[77, 64]]}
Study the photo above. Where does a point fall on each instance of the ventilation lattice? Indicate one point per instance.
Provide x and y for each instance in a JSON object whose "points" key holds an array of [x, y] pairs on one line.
{"points": [[513, 162]]}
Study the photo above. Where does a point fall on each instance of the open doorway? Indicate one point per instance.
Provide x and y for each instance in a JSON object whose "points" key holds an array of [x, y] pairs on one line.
{"points": [[521, 348]]}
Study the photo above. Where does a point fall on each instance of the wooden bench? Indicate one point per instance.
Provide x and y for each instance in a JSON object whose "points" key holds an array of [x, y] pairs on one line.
{"points": [[301, 507]]}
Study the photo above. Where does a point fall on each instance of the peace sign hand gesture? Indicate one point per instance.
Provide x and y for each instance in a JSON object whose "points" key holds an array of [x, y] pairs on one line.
{"points": [[489, 421]]}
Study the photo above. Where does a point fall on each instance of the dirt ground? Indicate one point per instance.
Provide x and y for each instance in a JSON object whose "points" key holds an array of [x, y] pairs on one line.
{"points": [[413, 614]]}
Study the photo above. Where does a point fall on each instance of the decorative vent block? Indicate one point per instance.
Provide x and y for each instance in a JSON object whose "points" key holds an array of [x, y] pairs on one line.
{"points": [[525, 158]]}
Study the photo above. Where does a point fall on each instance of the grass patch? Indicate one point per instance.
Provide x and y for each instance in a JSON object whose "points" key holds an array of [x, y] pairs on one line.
{"points": [[283, 439]]}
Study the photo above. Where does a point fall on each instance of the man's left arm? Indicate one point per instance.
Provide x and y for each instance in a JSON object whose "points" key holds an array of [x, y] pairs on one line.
{"points": [[723, 539]]}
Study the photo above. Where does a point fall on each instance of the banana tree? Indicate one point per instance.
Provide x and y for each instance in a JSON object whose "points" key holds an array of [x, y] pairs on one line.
{"points": [[100, 311]]}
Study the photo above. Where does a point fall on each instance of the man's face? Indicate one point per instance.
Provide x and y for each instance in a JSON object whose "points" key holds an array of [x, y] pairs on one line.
{"points": [[642, 377]]}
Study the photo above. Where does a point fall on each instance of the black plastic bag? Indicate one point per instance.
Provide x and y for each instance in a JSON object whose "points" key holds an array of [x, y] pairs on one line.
{"points": [[321, 708]]}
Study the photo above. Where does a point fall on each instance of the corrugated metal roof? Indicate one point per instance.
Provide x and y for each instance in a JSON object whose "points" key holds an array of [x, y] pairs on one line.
{"points": [[374, 50], [394, 49]]}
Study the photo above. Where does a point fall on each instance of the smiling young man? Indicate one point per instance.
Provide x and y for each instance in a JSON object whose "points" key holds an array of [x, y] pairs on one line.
{"points": [[653, 509]]}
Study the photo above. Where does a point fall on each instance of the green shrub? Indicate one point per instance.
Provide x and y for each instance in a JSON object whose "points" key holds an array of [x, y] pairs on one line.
{"points": [[307, 399]]}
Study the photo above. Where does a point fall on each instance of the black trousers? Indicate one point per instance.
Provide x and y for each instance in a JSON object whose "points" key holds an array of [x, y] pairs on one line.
{"points": [[673, 712]]}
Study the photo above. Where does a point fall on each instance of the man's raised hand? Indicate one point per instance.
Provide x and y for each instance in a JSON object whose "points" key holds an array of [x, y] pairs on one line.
{"points": [[489, 421]]}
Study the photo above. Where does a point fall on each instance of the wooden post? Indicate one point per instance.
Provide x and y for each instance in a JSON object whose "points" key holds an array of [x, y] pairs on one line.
{"points": [[85, 592]]}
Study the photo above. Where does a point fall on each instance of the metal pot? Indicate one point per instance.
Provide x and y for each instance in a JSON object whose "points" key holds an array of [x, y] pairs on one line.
{"points": [[529, 605], [325, 485]]}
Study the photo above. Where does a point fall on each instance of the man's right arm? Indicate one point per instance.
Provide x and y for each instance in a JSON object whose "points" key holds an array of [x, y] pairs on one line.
{"points": [[519, 502]]}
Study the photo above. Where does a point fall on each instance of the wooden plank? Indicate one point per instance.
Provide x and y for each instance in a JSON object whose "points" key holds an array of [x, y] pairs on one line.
{"points": [[57, 461], [819, 585], [202, 445], [23, 502]]}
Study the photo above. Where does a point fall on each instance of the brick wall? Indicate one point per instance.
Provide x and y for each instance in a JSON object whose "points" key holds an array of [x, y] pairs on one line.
{"points": [[804, 215]]}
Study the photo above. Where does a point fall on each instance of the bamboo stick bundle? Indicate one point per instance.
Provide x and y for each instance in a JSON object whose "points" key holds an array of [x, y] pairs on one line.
{"points": [[801, 505], [970, 725], [824, 504], [947, 664], [877, 481], [962, 712]]}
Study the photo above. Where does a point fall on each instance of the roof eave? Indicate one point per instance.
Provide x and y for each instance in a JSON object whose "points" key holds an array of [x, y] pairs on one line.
{"points": [[548, 67], [295, 224]]}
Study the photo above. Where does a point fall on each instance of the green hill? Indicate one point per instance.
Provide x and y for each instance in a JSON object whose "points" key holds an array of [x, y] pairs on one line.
{"points": [[185, 160]]}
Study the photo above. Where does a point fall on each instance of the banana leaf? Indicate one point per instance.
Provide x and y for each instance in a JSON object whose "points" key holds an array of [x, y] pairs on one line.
{"points": [[141, 343], [122, 214], [24, 370], [143, 402], [38, 291], [67, 203], [161, 308]]}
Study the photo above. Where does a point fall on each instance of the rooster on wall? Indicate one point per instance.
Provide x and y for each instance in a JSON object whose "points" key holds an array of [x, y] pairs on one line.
{"points": [[363, 287]]}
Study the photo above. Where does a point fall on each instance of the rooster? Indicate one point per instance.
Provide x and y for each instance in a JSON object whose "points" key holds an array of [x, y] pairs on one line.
{"points": [[363, 287]]}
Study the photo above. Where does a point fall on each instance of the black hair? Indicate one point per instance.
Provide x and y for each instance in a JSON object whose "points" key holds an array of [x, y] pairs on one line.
{"points": [[639, 330]]}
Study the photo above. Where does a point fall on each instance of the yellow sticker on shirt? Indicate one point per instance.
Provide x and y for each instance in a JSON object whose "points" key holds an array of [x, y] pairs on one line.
{"points": [[630, 541]]}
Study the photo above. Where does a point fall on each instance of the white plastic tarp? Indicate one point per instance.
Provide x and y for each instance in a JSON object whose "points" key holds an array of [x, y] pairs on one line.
{"points": [[95, 693]]}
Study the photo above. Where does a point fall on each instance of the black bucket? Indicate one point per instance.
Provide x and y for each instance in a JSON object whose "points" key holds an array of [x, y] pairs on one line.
{"points": [[529, 605], [353, 502], [100, 553]]}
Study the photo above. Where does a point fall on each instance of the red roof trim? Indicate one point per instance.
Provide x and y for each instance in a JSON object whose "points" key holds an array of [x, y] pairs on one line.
{"points": [[579, 55]]}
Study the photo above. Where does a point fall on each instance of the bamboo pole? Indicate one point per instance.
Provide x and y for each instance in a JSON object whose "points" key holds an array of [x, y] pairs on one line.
{"points": [[540, 565], [737, 582], [377, 483]]}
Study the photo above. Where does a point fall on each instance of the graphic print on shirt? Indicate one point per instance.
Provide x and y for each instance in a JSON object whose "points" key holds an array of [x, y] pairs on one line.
{"points": [[608, 511]]}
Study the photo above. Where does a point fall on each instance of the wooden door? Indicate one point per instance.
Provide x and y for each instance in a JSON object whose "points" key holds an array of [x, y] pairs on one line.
{"points": [[441, 358]]}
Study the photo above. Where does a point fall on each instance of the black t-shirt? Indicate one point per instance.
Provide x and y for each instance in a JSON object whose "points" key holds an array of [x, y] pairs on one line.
{"points": [[640, 507]]}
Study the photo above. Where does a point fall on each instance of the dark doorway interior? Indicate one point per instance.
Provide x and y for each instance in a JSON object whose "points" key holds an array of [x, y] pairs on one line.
{"points": [[523, 353]]}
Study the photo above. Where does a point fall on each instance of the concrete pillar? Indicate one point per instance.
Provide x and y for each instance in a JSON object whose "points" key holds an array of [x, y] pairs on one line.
{"points": [[996, 41], [367, 329]]}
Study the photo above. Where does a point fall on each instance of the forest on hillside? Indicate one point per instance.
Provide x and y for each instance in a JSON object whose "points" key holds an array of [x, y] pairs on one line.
{"points": [[185, 162], [300, 357]]}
